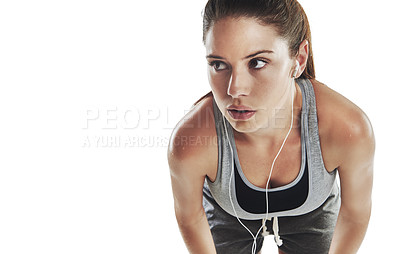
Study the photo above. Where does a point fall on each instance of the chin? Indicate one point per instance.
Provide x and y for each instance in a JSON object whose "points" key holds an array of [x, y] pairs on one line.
{"points": [[244, 126]]}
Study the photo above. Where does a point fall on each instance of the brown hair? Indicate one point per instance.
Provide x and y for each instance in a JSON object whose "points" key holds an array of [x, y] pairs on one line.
{"points": [[287, 16]]}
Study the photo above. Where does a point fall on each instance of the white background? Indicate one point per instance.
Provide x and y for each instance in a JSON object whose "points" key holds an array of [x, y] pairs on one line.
{"points": [[123, 73]]}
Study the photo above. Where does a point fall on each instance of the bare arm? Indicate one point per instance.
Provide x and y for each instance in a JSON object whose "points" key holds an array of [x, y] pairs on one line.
{"points": [[356, 174], [190, 216], [187, 170]]}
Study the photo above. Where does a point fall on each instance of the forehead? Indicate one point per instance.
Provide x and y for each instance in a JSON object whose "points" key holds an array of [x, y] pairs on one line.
{"points": [[239, 36]]}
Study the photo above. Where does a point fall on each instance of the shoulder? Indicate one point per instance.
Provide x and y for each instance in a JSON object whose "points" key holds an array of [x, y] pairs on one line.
{"points": [[192, 146], [345, 129]]}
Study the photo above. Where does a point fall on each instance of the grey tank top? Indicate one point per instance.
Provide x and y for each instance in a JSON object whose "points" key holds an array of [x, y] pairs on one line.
{"points": [[306, 193]]}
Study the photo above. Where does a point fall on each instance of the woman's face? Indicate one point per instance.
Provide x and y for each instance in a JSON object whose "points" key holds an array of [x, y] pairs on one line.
{"points": [[249, 69]]}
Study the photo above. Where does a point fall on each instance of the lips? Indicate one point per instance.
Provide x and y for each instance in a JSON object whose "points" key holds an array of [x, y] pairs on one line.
{"points": [[241, 112]]}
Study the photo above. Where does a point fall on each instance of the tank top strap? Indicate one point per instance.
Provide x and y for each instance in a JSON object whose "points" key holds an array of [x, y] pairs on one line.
{"points": [[313, 139], [224, 152]]}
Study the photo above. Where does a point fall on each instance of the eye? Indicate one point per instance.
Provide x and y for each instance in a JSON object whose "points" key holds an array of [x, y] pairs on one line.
{"points": [[257, 63], [218, 65]]}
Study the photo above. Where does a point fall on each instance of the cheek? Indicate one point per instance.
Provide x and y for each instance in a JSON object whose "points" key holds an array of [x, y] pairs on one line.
{"points": [[219, 83], [265, 81], [272, 76]]}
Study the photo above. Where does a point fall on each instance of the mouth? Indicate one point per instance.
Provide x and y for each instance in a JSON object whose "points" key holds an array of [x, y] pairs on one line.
{"points": [[241, 114]]}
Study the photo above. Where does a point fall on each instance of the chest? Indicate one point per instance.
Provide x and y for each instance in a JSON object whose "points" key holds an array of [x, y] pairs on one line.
{"points": [[256, 164]]}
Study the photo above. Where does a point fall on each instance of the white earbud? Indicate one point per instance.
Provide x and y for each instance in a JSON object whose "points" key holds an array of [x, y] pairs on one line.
{"points": [[296, 69]]}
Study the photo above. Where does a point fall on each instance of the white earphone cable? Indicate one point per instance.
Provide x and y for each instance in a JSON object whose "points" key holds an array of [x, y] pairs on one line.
{"points": [[273, 163], [254, 246]]}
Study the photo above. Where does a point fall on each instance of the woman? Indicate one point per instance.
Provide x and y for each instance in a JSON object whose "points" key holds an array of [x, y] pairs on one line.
{"points": [[269, 124]]}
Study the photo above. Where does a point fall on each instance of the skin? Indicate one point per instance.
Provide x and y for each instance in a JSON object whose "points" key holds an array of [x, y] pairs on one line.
{"points": [[264, 82]]}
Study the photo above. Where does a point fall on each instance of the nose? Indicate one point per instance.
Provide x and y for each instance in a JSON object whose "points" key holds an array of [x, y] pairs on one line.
{"points": [[239, 84]]}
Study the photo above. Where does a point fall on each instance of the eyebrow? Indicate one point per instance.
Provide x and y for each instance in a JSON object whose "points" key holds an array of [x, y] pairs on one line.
{"points": [[249, 56]]}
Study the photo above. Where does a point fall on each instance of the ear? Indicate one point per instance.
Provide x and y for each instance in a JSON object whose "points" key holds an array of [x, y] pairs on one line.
{"points": [[302, 57]]}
